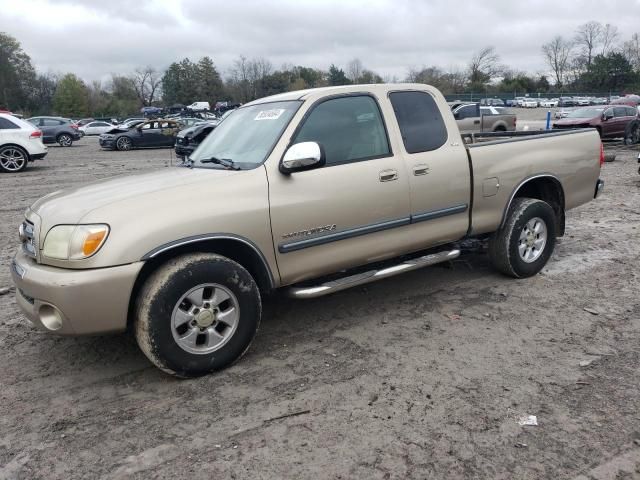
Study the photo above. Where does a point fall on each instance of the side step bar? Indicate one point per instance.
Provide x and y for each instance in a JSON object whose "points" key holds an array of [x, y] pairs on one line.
{"points": [[371, 276]]}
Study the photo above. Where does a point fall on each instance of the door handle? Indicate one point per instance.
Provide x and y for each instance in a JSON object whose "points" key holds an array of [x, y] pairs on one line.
{"points": [[420, 170], [388, 175], [477, 122]]}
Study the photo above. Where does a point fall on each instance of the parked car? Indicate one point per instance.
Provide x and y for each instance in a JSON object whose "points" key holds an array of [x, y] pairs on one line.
{"points": [[530, 103], [582, 101], [150, 111], [189, 121], [83, 121], [563, 112], [496, 102], [549, 103], [631, 100], [96, 128], [470, 119], [199, 106], [20, 143], [566, 102], [610, 120], [188, 139], [303, 193], [149, 134], [57, 129]]}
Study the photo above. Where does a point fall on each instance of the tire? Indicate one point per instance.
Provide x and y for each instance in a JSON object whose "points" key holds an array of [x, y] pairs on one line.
{"points": [[196, 314], [13, 159], [123, 144], [632, 133], [519, 257], [500, 128], [64, 140]]}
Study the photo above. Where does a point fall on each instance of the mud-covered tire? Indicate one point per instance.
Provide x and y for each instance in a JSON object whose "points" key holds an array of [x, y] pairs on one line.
{"points": [[162, 300], [504, 245]]}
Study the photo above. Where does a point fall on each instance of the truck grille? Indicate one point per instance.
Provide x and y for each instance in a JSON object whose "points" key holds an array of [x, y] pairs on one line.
{"points": [[27, 237]]}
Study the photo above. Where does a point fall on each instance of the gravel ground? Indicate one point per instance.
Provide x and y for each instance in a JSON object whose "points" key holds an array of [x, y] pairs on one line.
{"points": [[421, 376]]}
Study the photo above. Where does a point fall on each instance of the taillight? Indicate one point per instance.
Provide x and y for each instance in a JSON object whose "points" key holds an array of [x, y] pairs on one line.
{"points": [[36, 134], [601, 154], [73, 125]]}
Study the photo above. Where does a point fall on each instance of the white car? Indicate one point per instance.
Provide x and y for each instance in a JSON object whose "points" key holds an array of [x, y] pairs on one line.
{"points": [[549, 103], [96, 128], [530, 103], [199, 106], [20, 143], [563, 112], [582, 101]]}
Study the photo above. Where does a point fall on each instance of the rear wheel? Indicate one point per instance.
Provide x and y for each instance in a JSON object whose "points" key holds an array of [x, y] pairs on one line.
{"points": [[522, 247], [632, 133], [64, 140], [13, 159], [196, 314]]}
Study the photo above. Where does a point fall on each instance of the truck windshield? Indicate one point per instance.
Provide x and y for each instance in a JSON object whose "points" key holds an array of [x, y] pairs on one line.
{"points": [[586, 113], [247, 136]]}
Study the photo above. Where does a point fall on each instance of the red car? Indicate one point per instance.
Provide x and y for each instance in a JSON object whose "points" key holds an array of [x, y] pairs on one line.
{"points": [[611, 121]]}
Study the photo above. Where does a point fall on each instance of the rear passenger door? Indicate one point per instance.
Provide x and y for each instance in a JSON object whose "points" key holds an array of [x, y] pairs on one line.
{"points": [[438, 168], [622, 117]]}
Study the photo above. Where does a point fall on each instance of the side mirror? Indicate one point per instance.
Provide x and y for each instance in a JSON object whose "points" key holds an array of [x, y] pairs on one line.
{"points": [[302, 156], [607, 115]]}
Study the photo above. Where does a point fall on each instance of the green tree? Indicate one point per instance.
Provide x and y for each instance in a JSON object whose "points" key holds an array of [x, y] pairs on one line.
{"points": [[122, 99], [17, 75], [608, 72], [337, 76], [71, 97], [210, 87]]}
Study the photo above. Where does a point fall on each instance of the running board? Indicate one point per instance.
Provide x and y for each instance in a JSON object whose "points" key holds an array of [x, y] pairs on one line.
{"points": [[371, 276]]}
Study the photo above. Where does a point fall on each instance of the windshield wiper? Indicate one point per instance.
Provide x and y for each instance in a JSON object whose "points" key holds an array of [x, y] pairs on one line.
{"points": [[225, 162]]}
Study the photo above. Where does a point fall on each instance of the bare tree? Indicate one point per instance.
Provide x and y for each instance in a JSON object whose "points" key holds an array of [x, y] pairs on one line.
{"points": [[484, 65], [631, 51], [610, 36], [557, 53], [588, 37], [147, 83], [354, 70]]}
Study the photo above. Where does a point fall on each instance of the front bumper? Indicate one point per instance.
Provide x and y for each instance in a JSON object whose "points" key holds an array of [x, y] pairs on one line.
{"points": [[107, 142], [74, 302], [183, 150], [38, 156]]}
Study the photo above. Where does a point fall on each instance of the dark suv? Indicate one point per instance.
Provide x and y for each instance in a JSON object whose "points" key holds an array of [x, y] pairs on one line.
{"points": [[57, 129]]}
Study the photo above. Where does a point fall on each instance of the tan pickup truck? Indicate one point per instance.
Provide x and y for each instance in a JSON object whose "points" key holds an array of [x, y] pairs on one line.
{"points": [[476, 118], [309, 192]]}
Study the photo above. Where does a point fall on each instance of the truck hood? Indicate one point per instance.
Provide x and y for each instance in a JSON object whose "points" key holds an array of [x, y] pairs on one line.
{"points": [[69, 206]]}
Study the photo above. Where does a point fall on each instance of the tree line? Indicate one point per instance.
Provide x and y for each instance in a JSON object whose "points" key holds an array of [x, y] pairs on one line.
{"points": [[592, 59]]}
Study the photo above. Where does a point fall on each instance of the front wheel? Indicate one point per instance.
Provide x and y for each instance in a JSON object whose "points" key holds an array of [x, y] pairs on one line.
{"points": [[522, 247], [197, 313], [124, 144]]}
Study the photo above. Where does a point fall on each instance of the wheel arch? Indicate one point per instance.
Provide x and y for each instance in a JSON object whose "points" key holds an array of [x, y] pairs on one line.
{"points": [[234, 247], [545, 187]]}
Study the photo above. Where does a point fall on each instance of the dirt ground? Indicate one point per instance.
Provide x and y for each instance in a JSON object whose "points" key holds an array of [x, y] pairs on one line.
{"points": [[421, 376]]}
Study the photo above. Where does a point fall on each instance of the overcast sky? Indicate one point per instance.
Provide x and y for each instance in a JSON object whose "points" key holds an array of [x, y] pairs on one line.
{"points": [[94, 38]]}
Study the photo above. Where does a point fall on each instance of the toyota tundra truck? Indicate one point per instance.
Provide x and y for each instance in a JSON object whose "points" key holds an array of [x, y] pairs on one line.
{"points": [[308, 192]]}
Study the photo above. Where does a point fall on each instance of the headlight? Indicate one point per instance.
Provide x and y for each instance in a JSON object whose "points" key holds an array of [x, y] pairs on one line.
{"points": [[74, 242]]}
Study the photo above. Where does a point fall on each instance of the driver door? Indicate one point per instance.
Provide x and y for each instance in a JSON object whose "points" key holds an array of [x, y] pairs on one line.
{"points": [[148, 135], [351, 211]]}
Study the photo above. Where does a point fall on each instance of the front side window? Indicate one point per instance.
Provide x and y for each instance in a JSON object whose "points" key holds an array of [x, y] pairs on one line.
{"points": [[466, 112], [420, 121], [349, 129], [150, 125]]}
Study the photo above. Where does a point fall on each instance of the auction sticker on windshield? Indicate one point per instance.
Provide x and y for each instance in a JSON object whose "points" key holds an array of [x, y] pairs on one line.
{"points": [[269, 114]]}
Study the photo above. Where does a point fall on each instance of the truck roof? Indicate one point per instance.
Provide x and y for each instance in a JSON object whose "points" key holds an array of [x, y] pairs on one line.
{"points": [[379, 88]]}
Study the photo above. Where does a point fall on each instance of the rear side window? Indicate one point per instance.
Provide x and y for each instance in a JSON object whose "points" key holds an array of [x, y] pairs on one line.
{"points": [[349, 129], [50, 122], [420, 121], [6, 124]]}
